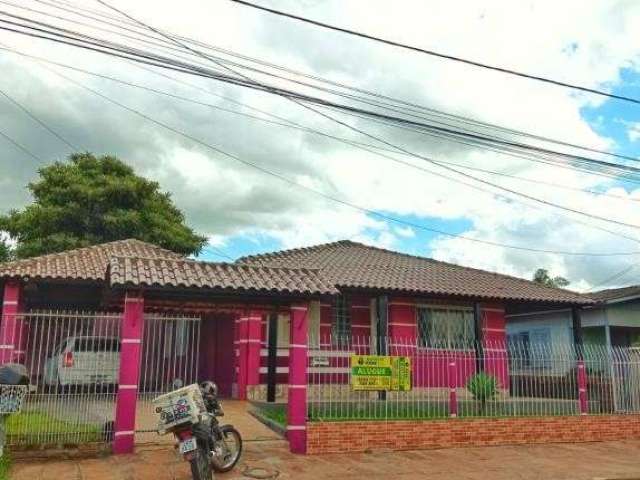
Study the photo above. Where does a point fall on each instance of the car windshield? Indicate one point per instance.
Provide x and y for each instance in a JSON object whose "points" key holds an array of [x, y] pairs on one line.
{"points": [[96, 344]]}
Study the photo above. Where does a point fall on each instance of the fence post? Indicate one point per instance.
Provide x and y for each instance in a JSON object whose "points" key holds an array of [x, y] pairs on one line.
{"points": [[11, 325], [126, 398], [297, 395], [453, 395], [241, 356], [582, 388], [254, 337]]}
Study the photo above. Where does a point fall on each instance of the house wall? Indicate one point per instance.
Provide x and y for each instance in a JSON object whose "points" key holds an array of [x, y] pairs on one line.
{"points": [[624, 314], [555, 327], [430, 366], [558, 327]]}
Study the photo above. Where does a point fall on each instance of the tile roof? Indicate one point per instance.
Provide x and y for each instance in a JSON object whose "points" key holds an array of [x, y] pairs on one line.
{"points": [[160, 272], [349, 264], [615, 293], [89, 263]]}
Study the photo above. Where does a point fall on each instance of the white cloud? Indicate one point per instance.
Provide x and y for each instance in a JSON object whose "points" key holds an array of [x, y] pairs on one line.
{"points": [[633, 131], [406, 232], [222, 197]]}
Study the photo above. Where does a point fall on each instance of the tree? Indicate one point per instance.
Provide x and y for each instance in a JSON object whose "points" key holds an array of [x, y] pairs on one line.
{"points": [[90, 200], [5, 250], [543, 278]]}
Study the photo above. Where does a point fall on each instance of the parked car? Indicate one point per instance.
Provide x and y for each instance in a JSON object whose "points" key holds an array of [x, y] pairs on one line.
{"points": [[83, 361]]}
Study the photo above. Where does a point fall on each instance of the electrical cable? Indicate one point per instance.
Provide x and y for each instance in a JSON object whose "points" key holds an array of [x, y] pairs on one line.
{"points": [[439, 55]]}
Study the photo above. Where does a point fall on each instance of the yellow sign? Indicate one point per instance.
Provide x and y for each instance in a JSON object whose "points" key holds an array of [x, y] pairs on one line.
{"points": [[377, 372]]}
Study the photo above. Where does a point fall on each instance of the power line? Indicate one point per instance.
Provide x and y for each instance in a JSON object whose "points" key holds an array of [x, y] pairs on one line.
{"points": [[290, 124], [132, 22], [296, 97], [365, 210], [38, 121], [218, 251], [134, 54], [445, 167], [613, 277], [283, 122], [20, 147], [439, 55]]}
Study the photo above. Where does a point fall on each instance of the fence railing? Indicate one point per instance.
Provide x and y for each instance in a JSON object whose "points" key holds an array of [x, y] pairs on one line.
{"points": [[488, 379], [72, 358]]}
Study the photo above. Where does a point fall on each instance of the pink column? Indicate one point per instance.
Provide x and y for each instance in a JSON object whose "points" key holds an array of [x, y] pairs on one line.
{"points": [[11, 327], [130, 339], [582, 388], [453, 395], [254, 337], [242, 329], [297, 401]]}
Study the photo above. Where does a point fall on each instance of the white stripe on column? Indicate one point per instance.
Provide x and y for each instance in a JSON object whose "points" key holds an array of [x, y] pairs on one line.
{"points": [[124, 432], [131, 340], [296, 427], [128, 387]]}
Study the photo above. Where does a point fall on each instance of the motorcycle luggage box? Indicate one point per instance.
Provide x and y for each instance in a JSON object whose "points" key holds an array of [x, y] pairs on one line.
{"points": [[179, 407]]}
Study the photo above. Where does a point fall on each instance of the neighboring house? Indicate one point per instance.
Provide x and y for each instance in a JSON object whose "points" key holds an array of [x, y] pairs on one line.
{"points": [[613, 320], [345, 290]]}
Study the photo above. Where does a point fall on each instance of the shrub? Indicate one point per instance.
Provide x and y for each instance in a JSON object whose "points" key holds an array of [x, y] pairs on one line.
{"points": [[483, 387]]}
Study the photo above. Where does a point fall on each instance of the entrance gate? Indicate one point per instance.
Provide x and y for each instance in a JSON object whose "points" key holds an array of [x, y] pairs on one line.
{"points": [[169, 358], [73, 360]]}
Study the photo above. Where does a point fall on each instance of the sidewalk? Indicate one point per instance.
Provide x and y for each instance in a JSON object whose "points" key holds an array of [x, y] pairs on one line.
{"points": [[611, 460]]}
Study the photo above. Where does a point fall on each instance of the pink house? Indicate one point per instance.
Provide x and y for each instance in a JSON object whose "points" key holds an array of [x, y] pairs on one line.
{"points": [[262, 323]]}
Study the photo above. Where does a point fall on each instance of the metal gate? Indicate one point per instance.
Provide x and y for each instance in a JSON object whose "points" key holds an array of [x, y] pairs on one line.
{"points": [[169, 358], [625, 372], [73, 360]]}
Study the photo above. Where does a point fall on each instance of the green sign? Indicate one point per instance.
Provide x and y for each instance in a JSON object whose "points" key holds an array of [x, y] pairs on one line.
{"points": [[376, 372]]}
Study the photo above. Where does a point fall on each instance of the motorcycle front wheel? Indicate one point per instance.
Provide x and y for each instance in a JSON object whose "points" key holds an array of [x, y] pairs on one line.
{"points": [[227, 451], [201, 465]]}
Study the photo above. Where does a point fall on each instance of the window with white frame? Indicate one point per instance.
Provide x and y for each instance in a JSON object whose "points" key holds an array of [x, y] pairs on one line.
{"points": [[446, 327]]}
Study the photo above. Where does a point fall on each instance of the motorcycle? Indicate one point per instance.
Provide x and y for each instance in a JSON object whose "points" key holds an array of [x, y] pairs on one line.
{"points": [[191, 414]]}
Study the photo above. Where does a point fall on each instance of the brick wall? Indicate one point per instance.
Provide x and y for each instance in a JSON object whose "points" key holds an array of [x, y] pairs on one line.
{"points": [[338, 437]]}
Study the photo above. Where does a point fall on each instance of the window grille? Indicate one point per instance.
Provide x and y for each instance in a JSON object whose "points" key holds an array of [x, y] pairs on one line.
{"points": [[446, 327], [341, 326]]}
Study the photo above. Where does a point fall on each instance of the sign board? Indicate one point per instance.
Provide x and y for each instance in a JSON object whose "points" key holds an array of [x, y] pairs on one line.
{"points": [[376, 372], [320, 361]]}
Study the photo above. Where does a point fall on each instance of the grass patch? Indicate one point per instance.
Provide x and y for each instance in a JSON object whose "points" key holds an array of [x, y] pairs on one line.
{"points": [[5, 465], [36, 427], [390, 410], [275, 413]]}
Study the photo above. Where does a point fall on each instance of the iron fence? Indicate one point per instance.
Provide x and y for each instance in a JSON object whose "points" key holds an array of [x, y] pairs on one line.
{"points": [[169, 359], [485, 379], [73, 359]]}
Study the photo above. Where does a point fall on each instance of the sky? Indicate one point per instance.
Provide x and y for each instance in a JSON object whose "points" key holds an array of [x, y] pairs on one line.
{"points": [[243, 211]]}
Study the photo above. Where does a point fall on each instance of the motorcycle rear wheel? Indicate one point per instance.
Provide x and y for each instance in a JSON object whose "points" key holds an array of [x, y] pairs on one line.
{"points": [[231, 450], [201, 465]]}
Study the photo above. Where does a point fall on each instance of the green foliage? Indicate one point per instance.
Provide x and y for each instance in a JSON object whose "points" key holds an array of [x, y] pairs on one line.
{"points": [[483, 387], [90, 200], [5, 251], [543, 278], [28, 425], [5, 465]]}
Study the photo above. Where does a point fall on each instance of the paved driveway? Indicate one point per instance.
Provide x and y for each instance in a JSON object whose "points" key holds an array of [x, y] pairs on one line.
{"points": [[610, 460]]}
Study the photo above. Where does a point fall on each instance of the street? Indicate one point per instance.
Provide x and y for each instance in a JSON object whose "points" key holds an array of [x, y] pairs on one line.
{"points": [[607, 460]]}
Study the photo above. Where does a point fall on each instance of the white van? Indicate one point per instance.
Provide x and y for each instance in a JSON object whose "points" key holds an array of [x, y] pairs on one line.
{"points": [[86, 360]]}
